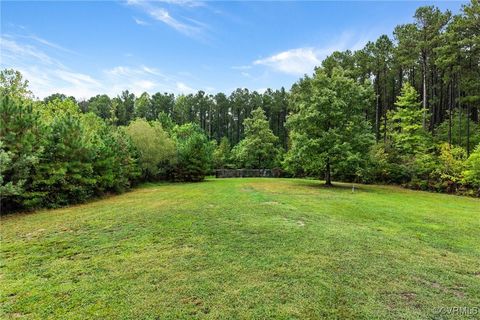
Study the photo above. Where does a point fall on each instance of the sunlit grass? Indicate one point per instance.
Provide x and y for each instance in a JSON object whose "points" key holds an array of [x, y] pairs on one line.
{"points": [[244, 248]]}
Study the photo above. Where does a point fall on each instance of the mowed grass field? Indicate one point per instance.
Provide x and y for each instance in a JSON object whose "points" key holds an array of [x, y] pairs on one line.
{"points": [[245, 249]]}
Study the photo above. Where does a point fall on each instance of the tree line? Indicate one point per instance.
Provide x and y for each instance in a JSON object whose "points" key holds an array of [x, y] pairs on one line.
{"points": [[401, 110], [219, 115]]}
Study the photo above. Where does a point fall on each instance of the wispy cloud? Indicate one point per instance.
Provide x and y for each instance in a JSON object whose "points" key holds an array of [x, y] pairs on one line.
{"points": [[140, 22], [75, 78], [184, 3], [245, 67], [164, 16], [39, 64], [184, 88], [50, 44], [11, 49], [303, 60], [187, 26]]}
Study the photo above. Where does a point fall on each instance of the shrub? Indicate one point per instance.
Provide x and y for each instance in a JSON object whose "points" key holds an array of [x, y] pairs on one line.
{"points": [[472, 170], [452, 164]]}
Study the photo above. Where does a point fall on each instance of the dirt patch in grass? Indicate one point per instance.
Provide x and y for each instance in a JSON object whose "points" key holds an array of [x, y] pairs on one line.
{"points": [[271, 203]]}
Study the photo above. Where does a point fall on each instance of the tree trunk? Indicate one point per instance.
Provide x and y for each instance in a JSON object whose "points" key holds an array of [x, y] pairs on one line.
{"points": [[468, 130], [424, 90], [459, 116], [328, 178], [210, 121], [450, 100], [238, 126], [385, 105], [377, 119]]}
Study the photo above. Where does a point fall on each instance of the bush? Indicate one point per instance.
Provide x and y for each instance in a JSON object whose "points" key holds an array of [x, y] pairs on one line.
{"points": [[387, 165], [472, 170], [451, 166]]}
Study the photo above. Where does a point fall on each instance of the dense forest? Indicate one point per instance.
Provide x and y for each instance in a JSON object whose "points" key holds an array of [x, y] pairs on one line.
{"points": [[404, 109]]}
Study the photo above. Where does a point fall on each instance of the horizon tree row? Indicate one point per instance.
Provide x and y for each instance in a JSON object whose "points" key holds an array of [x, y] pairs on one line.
{"points": [[218, 115]]}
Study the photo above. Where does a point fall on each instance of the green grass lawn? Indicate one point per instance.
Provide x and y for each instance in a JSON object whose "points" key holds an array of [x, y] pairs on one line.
{"points": [[245, 248]]}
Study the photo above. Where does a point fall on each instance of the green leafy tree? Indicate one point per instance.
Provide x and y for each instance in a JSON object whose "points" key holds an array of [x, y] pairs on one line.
{"points": [[101, 105], [183, 109], [126, 160], [162, 103], [222, 117], [258, 149], [125, 111], [407, 51], [13, 85], [328, 128], [65, 173], [406, 123], [456, 131], [429, 21], [166, 121], [19, 149], [143, 107], [156, 150], [114, 161], [194, 153], [222, 154], [59, 96]]}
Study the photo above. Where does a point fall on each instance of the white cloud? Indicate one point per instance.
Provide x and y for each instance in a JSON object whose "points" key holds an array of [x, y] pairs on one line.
{"points": [[184, 3], [145, 85], [162, 15], [190, 27], [119, 71], [293, 61], [44, 81], [151, 71], [140, 22], [132, 72], [50, 44], [77, 79], [47, 75], [13, 50], [303, 60], [183, 88]]}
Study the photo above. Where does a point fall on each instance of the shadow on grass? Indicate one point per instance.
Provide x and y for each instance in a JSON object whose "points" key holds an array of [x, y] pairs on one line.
{"points": [[320, 185]]}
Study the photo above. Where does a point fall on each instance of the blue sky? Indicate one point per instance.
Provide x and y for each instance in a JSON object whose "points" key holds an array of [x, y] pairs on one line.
{"points": [[86, 48]]}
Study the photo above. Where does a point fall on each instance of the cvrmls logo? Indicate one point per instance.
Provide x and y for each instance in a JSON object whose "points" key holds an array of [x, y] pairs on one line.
{"points": [[465, 311]]}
